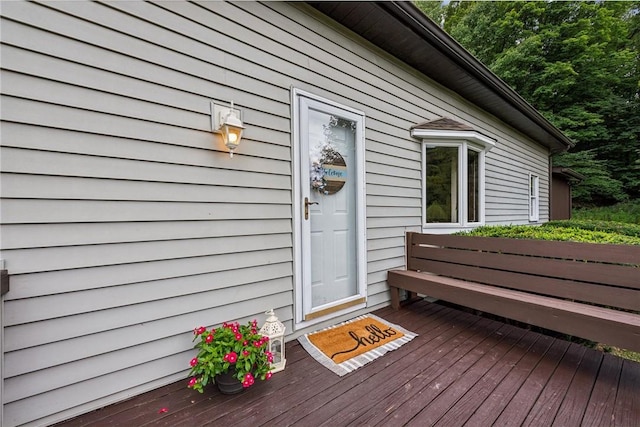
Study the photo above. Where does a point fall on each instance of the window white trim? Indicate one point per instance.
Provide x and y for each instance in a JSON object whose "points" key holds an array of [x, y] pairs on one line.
{"points": [[438, 136], [471, 142], [534, 197]]}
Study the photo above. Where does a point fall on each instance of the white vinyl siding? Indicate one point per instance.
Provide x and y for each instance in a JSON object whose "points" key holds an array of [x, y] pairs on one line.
{"points": [[125, 224]]}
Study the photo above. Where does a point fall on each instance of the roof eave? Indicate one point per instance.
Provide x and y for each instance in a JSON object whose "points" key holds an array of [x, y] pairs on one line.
{"points": [[485, 89]]}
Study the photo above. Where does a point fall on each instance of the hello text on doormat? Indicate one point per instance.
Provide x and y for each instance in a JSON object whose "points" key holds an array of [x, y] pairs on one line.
{"points": [[348, 346]]}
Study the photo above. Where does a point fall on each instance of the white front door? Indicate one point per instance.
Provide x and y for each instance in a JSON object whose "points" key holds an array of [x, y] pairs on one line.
{"points": [[330, 188]]}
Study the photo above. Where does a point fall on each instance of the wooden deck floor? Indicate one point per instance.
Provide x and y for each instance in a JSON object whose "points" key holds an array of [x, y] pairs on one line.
{"points": [[460, 370]]}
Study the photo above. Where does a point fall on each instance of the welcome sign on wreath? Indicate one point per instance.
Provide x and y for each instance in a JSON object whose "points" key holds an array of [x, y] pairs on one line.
{"points": [[329, 174]]}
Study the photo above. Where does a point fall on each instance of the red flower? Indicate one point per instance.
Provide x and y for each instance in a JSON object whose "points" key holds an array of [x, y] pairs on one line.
{"points": [[268, 375], [238, 336], [231, 357], [245, 353], [192, 382], [200, 330], [248, 380], [194, 361], [209, 338]]}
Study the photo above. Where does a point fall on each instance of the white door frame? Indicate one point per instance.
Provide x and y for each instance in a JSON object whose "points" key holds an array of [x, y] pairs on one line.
{"points": [[300, 273]]}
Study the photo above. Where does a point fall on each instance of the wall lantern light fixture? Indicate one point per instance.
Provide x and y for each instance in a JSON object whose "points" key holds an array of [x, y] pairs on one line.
{"points": [[226, 121]]}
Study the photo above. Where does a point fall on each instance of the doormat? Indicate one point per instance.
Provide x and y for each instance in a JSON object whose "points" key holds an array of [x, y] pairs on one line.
{"points": [[350, 345]]}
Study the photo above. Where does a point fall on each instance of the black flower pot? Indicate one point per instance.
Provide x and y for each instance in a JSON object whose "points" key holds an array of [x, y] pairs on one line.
{"points": [[228, 383]]}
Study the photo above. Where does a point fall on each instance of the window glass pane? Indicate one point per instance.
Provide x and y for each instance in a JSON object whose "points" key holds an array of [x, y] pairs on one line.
{"points": [[442, 184], [473, 186], [534, 202], [532, 185]]}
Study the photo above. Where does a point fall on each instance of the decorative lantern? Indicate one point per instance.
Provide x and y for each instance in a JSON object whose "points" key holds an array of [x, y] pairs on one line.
{"points": [[274, 330]]}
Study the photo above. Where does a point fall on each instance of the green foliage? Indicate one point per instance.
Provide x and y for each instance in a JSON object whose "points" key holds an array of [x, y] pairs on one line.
{"points": [[598, 188], [627, 212], [573, 231], [577, 62], [626, 354], [433, 9], [611, 227]]}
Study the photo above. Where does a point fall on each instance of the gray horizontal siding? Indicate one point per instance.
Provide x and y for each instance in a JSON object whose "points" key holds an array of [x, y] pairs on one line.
{"points": [[80, 279], [21, 211], [122, 227], [124, 221], [21, 236]]}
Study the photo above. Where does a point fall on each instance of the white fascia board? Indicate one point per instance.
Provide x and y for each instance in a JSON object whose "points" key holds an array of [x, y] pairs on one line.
{"points": [[443, 135]]}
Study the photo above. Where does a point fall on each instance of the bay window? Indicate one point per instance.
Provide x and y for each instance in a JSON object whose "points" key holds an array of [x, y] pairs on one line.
{"points": [[453, 181], [453, 156]]}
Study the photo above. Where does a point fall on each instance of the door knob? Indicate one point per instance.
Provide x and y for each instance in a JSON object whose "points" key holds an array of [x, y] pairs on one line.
{"points": [[306, 207]]}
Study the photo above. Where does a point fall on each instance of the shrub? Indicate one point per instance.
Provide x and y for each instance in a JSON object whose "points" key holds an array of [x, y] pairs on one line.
{"points": [[628, 212], [572, 231], [621, 228]]}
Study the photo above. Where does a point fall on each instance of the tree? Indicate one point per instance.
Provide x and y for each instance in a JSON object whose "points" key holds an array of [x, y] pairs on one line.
{"points": [[576, 62], [598, 188]]}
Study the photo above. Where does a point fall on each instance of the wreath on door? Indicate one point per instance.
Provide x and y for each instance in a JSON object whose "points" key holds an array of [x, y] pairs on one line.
{"points": [[329, 173]]}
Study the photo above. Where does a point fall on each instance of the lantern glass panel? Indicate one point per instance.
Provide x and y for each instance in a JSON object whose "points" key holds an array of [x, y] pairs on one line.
{"points": [[276, 350]]}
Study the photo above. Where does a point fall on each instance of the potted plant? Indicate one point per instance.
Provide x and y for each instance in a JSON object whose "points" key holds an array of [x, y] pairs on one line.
{"points": [[233, 356]]}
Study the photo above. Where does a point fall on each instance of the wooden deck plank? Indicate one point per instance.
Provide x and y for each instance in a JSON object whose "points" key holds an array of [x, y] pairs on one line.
{"points": [[471, 401], [311, 384], [285, 387], [121, 414], [521, 403], [441, 405], [548, 403], [600, 408], [575, 402], [428, 402], [460, 370], [421, 371], [434, 380], [439, 319], [425, 350], [628, 397], [493, 406]]}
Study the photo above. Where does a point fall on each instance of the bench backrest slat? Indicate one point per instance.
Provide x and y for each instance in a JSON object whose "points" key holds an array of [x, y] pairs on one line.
{"points": [[601, 274], [607, 274], [595, 252]]}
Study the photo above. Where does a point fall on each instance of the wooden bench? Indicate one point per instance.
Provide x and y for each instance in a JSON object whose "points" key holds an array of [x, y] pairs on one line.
{"points": [[586, 290]]}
